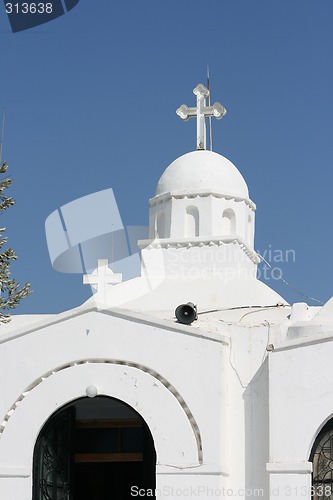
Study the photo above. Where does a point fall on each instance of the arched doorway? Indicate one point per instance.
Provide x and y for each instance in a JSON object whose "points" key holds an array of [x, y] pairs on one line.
{"points": [[94, 449]]}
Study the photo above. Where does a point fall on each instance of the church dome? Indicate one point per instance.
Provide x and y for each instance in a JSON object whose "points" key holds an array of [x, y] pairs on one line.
{"points": [[200, 171]]}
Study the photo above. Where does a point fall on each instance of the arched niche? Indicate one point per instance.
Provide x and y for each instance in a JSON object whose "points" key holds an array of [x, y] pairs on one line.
{"points": [[191, 222], [249, 230], [228, 225], [160, 225]]}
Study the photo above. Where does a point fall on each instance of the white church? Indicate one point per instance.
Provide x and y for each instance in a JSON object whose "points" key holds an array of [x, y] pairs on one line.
{"points": [[194, 380]]}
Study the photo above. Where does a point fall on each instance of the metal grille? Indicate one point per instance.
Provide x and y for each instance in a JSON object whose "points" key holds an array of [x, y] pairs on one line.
{"points": [[52, 459], [52, 483], [322, 477]]}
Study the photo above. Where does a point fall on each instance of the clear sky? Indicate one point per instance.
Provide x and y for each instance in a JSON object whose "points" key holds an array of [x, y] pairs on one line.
{"points": [[90, 102]]}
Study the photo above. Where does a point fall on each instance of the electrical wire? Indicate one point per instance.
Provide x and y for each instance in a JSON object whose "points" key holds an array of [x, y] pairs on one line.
{"points": [[289, 285], [260, 368], [258, 310], [279, 304]]}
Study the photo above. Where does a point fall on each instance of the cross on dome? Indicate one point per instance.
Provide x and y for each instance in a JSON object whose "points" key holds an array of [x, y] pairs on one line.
{"points": [[101, 278], [201, 112]]}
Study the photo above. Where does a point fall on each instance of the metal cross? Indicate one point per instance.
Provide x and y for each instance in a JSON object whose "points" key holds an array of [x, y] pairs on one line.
{"points": [[201, 112], [101, 278]]}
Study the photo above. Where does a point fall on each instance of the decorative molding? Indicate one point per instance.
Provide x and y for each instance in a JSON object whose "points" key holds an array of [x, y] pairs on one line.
{"points": [[15, 471], [318, 335], [177, 195], [145, 369], [202, 469], [289, 467], [117, 312], [198, 242]]}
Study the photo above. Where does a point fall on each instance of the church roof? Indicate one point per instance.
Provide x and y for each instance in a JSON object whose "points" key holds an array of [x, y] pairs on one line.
{"points": [[202, 170]]}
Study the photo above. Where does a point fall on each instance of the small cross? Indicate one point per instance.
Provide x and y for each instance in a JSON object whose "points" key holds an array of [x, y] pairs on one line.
{"points": [[201, 112], [101, 278]]}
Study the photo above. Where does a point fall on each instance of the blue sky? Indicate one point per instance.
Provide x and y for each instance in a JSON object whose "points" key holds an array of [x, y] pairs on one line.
{"points": [[90, 104]]}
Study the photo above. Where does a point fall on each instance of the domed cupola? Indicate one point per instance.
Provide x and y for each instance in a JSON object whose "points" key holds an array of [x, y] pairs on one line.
{"points": [[201, 223], [202, 171], [201, 215], [202, 195]]}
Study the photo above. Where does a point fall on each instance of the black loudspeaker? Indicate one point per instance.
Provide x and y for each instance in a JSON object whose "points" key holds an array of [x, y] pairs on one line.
{"points": [[186, 313]]}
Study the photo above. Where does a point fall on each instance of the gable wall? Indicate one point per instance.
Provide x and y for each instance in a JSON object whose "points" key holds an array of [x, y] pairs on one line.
{"points": [[301, 401], [152, 369]]}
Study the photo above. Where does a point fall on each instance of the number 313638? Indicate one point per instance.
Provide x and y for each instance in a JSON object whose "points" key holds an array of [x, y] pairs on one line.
{"points": [[26, 8]]}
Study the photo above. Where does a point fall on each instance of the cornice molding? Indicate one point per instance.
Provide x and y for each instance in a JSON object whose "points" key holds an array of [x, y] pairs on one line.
{"points": [[165, 243], [177, 195]]}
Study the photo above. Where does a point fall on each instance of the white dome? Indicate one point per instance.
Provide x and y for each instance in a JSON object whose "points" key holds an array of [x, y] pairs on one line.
{"points": [[202, 171]]}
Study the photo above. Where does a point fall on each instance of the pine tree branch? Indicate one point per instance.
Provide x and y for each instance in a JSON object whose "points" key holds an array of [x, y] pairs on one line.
{"points": [[11, 292]]}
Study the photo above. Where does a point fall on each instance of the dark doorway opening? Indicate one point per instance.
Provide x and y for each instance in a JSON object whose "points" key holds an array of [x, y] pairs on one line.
{"points": [[107, 480], [94, 449]]}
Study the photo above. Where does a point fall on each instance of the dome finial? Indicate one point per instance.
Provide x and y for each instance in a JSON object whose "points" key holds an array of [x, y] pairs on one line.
{"points": [[201, 112]]}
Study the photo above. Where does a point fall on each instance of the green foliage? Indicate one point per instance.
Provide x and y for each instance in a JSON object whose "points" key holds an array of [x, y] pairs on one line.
{"points": [[11, 293]]}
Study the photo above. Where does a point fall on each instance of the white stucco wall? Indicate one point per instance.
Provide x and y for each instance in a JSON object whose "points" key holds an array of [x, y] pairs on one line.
{"points": [[210, 210], [301, 402], [246, 389], [157, 371]]}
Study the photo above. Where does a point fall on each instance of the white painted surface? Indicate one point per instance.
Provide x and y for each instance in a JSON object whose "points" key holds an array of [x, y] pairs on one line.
{"points": [[201, 112], [202, 170]]}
